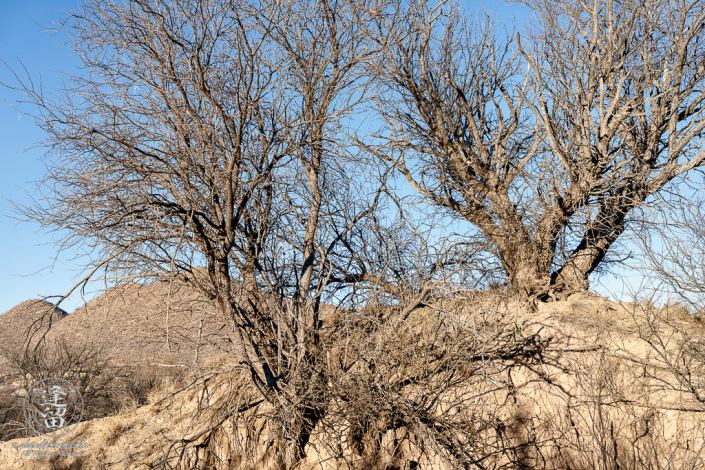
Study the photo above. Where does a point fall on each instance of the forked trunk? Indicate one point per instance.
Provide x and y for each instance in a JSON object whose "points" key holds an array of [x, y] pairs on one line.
{"points": [[531, 277]]}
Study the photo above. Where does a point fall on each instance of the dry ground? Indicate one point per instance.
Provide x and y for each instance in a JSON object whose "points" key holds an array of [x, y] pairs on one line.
{"points": [[607, 382]]}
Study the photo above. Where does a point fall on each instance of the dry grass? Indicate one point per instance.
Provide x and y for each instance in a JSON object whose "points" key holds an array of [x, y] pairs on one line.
{"points": [[590, 385]]}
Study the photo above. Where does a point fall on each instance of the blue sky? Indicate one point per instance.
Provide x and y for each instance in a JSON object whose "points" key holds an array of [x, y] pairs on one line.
{"points": [[28, 264], [28, 268]]}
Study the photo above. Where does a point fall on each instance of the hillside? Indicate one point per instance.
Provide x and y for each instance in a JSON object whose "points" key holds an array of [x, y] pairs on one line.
{"points": [[603, 379], [135, 323], [31, 313], [29, 316], [147, 323]]}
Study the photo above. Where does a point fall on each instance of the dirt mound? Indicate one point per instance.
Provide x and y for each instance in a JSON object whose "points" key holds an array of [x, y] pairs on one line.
{"points": [[603, 386]]}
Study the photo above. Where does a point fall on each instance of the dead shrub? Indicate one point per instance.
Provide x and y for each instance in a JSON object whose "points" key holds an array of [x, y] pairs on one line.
{"points": [[142, 381], [82, 365]]}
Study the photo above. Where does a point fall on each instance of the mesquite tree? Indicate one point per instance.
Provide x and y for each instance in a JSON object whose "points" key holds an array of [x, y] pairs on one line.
{"points": [[202, 139], [544, 143]]}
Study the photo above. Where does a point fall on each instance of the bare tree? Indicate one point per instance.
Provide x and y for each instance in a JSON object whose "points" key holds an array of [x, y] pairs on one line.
{"points": [[205, 134], [545, 144], [84, 365], [209, 140]]}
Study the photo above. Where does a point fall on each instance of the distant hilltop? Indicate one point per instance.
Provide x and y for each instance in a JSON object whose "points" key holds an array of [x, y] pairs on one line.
{"points": [[133, 323]]}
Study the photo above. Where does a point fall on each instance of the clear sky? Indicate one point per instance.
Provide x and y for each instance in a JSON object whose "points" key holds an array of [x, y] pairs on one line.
{"points": [[28, 265]]}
